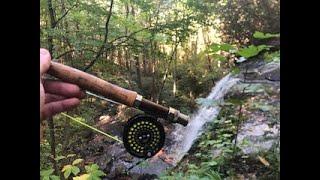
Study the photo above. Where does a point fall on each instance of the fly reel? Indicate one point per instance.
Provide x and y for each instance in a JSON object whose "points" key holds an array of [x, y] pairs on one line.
{"points": [[143, 136]]}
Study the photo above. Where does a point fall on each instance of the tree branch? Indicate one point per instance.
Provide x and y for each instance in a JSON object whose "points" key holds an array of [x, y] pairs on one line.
{"points": [[73, 50], [104, 41], [58, 20], [130, 35]]}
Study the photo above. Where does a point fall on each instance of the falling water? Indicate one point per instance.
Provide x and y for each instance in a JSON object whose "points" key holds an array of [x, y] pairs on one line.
{"points": [[185, 136]]}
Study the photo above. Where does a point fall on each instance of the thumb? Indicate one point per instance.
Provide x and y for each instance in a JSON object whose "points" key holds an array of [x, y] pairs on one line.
{"points": [[45, 59]]}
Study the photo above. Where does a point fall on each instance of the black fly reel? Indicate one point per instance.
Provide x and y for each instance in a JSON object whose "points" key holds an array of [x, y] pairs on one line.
{"points": [[143, 136]]}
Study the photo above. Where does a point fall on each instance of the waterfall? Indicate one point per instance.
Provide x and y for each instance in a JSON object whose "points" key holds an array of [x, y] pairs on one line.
{"points": [[184, 137]]}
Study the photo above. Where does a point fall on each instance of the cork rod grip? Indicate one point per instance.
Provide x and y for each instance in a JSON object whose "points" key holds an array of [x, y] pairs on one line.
{"points": [[92, 83]]}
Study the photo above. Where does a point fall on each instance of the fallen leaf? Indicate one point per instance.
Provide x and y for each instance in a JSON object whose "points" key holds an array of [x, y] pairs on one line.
{"points": [[264, 161]]}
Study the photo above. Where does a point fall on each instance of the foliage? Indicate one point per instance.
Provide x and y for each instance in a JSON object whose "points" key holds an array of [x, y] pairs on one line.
{"points": [[252, 50], [68, 169], [241, 18], [48, 175], [261, 35], [272, 56], [215, 50], [92, 173], [74, 170]]}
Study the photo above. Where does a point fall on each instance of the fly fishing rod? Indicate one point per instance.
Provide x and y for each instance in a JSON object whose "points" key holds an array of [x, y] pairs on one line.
{"points": [[143, 134]]}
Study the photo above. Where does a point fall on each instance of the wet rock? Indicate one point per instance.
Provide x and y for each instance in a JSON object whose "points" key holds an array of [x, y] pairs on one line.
{"points": [[256, 72], [256, 136], [261, 129]]}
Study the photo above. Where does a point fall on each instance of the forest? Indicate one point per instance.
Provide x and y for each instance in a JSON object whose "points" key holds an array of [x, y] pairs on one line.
{"points": [[215, 60]]}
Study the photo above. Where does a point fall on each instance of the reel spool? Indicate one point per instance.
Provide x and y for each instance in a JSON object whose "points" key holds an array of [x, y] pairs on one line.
{"points": [[143, 136]]}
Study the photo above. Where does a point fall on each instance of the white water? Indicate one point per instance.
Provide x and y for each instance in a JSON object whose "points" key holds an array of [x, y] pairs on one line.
{"points": [[185, 136]]}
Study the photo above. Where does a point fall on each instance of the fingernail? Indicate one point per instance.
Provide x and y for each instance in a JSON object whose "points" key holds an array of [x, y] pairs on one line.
{"points": [[43, 52]]}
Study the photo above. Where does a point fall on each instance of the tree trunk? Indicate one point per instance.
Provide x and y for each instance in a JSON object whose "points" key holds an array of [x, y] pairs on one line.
{"points": [[126, 53], [174, 88], [66, 25], [52, 26], [153, 89], [50, 120], [119, 57], [207, 42], [144, 60], [105, 40], [166, 72], [138, 72]]}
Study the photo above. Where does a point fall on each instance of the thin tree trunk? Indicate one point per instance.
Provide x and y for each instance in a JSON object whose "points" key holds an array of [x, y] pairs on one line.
{"points": [[166, 72], [138, 72], [174, 88], [105, 41], [52, 25], [144, 60], [207, 43], [126, 48], [53, 145], [119, 57], [66, 25], [50, 120]]}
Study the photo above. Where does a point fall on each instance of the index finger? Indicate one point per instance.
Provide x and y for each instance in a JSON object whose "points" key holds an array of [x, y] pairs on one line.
{"points": [[63, 89], [45, 59]]}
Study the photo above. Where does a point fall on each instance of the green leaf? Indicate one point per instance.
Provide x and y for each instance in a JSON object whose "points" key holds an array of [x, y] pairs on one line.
{"points": [[94, 171], [67, 173], [46, 172], [53, 177], [98, 173], [210, 163], [273, 56], [214, 175], [221, 47], [252, 50], [263, 47], [227, 48], [218, 57], [192, 166], [261, 35], [248, 51], [67, 169], [59, 158], [214, 48], [75, 170], [46, 178], [92, 168], [228, 151], [235, 70], [82, 177], [77, 161], [227, 135]]}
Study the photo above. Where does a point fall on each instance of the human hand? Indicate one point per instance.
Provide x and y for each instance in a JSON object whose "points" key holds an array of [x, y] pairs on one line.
{"points": [[55, 96]]}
